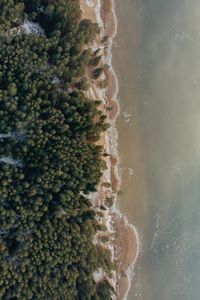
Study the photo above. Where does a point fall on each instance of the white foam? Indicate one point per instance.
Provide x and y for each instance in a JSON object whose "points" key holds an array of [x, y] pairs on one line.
{"points": [[127, 116], [130, 171]]}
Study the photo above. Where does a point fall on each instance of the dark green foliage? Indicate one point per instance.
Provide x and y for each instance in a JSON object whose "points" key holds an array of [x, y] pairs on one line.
{"points": [[11, 14], [46, 223], [95, 60], [106, 184], [104, 84], [104, 238], [105, 39], [104, 289], [98, 72], [83, 84], [89, 30], [109, 201]]}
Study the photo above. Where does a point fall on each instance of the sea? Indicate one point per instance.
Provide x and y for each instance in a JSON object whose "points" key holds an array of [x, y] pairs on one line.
{"points": [[156, 56]]}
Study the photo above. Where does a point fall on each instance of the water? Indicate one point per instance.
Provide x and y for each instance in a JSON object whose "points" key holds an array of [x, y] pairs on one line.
{"points": [[157, 59]]}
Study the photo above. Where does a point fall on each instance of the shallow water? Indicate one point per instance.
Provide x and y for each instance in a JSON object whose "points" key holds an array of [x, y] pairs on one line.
{"points": [[157, 60]]}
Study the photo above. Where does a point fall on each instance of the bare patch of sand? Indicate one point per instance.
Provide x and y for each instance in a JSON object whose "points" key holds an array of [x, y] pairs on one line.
{"points": [[88, 11]]}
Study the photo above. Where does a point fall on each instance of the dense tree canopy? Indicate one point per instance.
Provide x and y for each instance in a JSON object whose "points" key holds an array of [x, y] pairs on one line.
{"points": [[49, 160]]}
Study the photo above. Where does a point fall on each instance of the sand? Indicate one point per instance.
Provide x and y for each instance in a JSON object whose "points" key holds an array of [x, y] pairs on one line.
{"points": [[125, 244]]}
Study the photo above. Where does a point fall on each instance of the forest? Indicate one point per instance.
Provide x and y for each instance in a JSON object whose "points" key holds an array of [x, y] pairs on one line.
{"points": [[49, 158]]}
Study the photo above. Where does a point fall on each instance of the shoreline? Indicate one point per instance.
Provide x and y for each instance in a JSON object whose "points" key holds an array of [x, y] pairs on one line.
{"points": [[125, 245]]}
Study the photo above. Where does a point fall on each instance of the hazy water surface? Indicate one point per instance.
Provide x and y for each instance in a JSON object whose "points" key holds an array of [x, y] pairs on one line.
{"points": [[157, 58]]}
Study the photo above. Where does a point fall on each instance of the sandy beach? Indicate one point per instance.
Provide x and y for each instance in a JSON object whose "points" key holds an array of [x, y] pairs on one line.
{"points": [[125, 244]]}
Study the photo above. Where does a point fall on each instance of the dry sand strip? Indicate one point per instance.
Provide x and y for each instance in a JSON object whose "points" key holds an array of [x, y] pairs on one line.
{"points": [[125, 247]]}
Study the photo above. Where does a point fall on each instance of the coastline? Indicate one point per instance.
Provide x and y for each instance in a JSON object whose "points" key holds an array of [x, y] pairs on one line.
{"points": [[124, 242]]}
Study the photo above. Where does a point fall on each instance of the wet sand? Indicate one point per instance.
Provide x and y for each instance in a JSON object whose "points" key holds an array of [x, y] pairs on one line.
{"points": [[125, 246], [133, 199]]}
